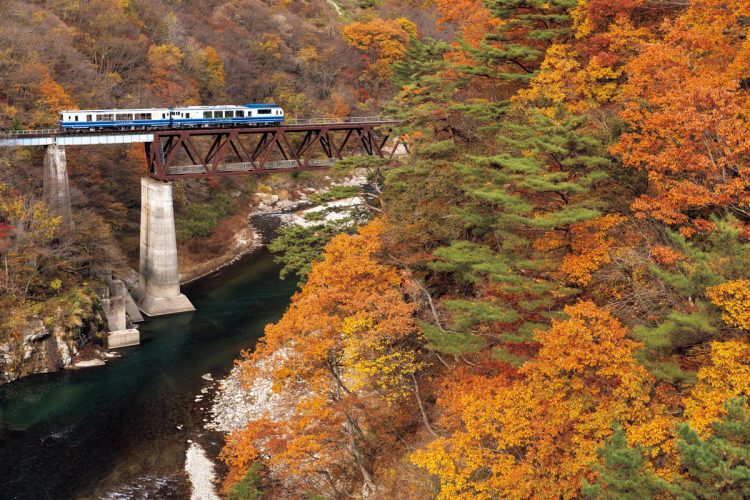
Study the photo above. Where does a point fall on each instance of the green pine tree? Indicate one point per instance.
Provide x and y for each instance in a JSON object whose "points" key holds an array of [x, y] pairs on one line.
{"points": [[719, 256], [540, 182], [718, 466], [715, 467], [516, 49], [249, 487], [623, 474]]}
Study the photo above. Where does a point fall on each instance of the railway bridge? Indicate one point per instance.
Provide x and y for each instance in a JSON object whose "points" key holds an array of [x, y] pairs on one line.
{"points": [[182, 153]]}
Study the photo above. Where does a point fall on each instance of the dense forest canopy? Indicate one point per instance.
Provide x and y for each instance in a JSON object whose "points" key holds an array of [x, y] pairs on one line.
{"points": [[550, 296], [569, 238]]}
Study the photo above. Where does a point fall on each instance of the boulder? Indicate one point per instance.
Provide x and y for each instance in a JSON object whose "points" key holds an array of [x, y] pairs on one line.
{"points": [[268, 199], [35, 332]]}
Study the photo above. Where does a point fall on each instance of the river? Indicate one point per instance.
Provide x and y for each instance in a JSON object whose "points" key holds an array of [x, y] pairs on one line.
{"points": [[121, 431]]}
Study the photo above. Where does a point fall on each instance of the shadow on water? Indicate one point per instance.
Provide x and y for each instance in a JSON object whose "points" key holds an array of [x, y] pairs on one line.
{"points": [[82, 434]]}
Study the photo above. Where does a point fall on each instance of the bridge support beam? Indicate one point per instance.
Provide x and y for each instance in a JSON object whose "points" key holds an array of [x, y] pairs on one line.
{"points": [[158, 290], [56, 187]]}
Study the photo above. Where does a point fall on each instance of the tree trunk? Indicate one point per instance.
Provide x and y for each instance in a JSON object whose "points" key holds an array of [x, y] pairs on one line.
{"points": [[369, 487], [421, 408]]}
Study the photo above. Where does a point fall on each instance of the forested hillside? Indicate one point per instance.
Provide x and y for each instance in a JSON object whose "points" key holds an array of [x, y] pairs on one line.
{"points": [[551, 295], [552, 298], [68, 54]]}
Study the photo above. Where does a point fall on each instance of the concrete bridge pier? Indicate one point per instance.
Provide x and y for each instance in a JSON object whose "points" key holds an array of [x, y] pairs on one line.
{"points": [[56, 188], [158, 290], [114, 301]]}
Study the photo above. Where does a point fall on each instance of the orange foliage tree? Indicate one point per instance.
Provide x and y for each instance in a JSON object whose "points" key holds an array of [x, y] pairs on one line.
{"points": [[345, 357], [471, 16], [687, 110], [167, 83], [382, 42], [537, 435]]}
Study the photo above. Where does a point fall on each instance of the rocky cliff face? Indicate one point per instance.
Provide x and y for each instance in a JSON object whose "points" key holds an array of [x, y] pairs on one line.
{"points": [[40, 350]]}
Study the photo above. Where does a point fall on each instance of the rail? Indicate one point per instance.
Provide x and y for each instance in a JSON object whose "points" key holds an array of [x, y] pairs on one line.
{"points": [[26, 133], [337, 121], [286, 122]]}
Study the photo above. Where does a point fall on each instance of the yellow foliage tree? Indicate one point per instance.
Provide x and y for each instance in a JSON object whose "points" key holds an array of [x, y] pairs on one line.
{"points": [[537, 436], [382, 42], [728, 376], [734, 298]]}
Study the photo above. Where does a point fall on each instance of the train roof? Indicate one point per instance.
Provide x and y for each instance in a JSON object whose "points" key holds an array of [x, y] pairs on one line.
{"points": [[131, 110], [146, 110]]}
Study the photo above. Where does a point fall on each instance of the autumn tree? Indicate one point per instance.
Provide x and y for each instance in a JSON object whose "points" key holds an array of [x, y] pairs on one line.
{"points": [[167, 83], [30, 249], [727, 377], [348, 349], [686, 112], [382, 43], [712, 466], [209, 70], [539, 434]]}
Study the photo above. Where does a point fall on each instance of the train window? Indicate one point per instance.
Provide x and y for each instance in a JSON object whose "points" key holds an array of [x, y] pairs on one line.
{"points": [[218, 114], [76, 117], [240, 114], [229, 114], [207, 114], [105, 118], [187, 115], [88, 118], [265, 112]]}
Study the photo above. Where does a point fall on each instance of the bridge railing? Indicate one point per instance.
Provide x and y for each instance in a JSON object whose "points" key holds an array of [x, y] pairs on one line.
{"points": [[335, 121], [26, 133], [289, 121]]}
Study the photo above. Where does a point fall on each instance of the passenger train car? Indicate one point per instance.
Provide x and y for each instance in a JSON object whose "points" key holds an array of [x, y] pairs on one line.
{"points": [[189, 117]]}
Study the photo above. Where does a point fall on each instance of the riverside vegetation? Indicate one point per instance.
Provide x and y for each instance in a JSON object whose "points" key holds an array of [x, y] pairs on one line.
{"points": [[549, 297]]}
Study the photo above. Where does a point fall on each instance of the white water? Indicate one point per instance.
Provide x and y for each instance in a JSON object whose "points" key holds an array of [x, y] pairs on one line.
{"points": [[202, 474]]}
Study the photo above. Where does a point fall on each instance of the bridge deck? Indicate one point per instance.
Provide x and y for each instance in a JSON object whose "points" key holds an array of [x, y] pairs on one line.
{"points": [[181, 153], [48, 137]]}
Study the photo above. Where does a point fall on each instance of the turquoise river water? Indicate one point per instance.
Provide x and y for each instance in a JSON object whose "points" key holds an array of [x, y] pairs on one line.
{"points": [[121, 431]]}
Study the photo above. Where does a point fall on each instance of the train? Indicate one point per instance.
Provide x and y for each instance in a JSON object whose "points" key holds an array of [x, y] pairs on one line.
{"points": [[188, 117]]}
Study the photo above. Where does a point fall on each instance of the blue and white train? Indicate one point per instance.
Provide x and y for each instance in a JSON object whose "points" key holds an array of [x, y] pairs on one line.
{"points": [[187, 117]]}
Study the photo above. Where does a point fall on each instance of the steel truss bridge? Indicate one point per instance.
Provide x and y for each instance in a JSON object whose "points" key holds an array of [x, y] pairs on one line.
{"points": [[183, 153]]}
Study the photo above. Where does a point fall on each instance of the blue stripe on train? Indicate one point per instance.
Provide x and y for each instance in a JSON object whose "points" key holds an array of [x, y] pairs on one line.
{"points": [[161, 123]]}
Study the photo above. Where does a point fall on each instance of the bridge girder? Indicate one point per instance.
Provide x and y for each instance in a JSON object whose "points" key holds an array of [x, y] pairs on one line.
{"points": [[261, 150]]}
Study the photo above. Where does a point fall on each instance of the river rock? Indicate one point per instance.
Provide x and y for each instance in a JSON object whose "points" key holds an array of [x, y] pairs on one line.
{"points": [[207, 376], [267, 199], [286, 205], [89, 363]]}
